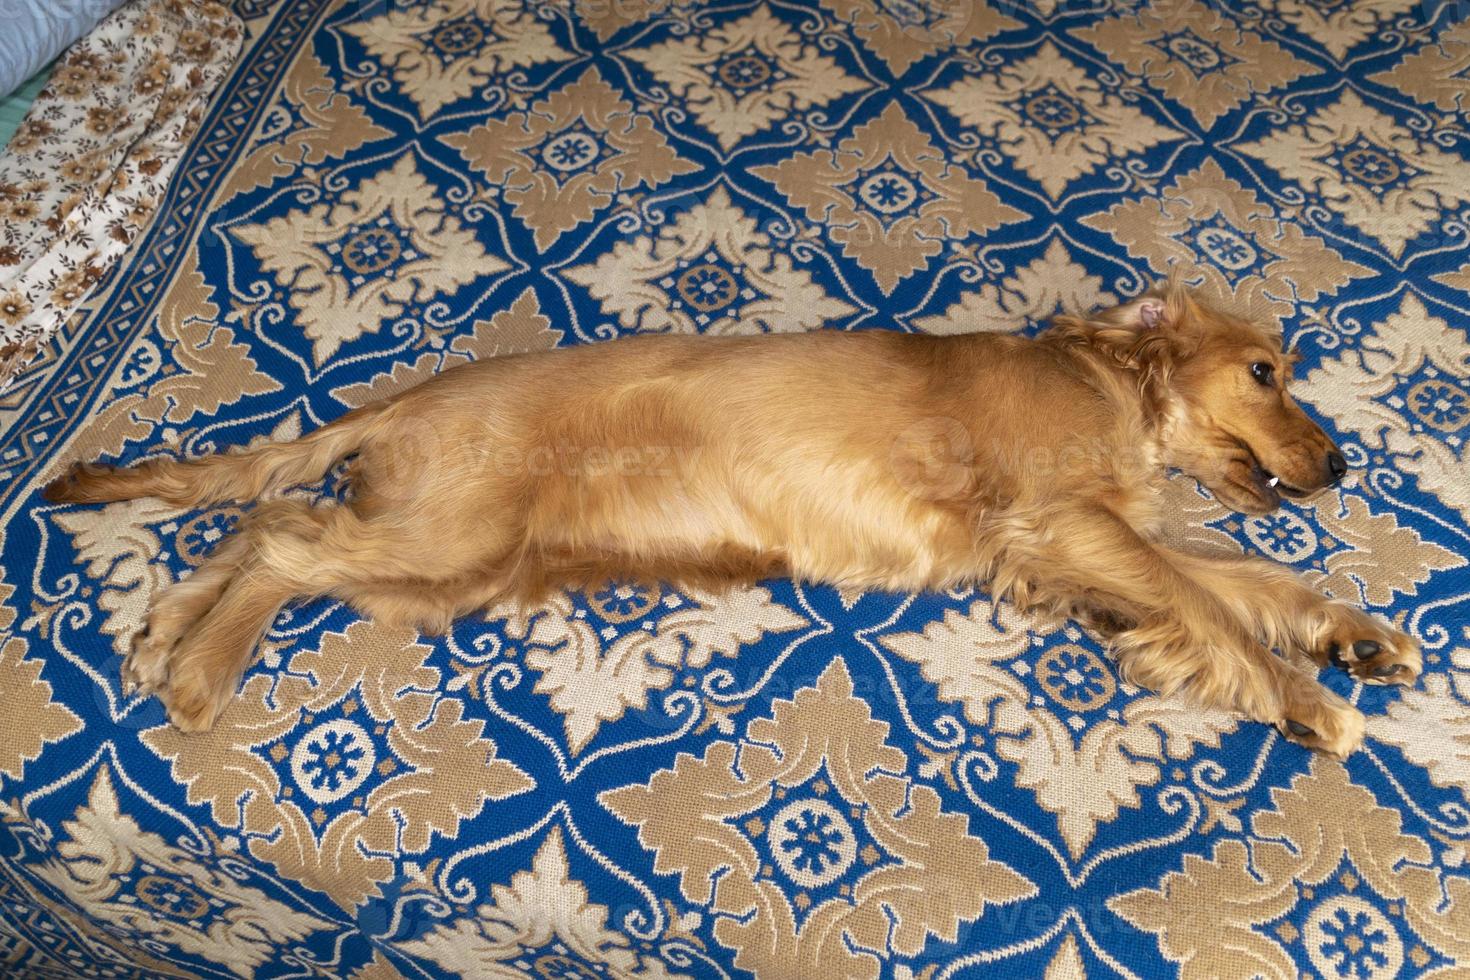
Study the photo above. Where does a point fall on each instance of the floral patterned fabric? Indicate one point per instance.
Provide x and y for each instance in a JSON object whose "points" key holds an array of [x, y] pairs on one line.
{"points": [[785, 780], [88, 165]]}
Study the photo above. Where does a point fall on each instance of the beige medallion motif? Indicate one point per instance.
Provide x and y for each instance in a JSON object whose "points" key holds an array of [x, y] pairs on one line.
{"points": [[519, 328], [889, 196], [312, 122], [1083, 764], [1207, 225], [904, 33], [1053, 283], [746, 75], [1420, 426], [1341, 25], [541, 924], [797, 886], [711, 271], [567, 157], [138, 884], [1438, 73], [607, 17], [1052, 118], [1386, 182], [331, 768], [1196, 56], [1213, 916], [594, 677], [352, 265], [440, 52]]}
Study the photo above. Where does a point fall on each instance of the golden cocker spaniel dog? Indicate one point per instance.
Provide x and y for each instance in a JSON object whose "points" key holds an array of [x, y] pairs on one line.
{"points": [[875, 460]]}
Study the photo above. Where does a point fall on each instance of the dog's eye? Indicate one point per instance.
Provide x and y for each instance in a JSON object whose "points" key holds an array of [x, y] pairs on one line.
{"points": [[1263, 373]]}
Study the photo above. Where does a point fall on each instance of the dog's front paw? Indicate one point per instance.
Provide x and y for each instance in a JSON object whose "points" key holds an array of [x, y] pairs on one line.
{"points": [[1322, 721], [1369, 650], [193, 701]]}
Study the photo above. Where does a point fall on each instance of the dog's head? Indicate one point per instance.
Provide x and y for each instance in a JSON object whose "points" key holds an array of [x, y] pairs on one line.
{"points": [[1221, 385]]}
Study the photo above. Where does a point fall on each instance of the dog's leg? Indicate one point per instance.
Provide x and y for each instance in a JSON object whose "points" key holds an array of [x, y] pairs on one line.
{"points": [[212, 620], [418, 604], [1286, 613], [282, 550], [1182, 637], [174, 612], [286, 549], [206, 665]]}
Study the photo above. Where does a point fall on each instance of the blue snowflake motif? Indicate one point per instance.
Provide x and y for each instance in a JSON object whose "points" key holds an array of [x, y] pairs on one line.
{"points": [[456, 39], [1052, 110], [1074, 677], [1355, 944], [889, 193], [373, 248], [1226, 249], [168, 896], [818, 843], [1198, 55], [1235, 253], [368, 251], [710, 286], [571, 150], [1285, 535], [620, 600], [1372, 166], [934, 21], [814, 840], [744, 71], [1441, 404], [332, 760], [198, 537]]}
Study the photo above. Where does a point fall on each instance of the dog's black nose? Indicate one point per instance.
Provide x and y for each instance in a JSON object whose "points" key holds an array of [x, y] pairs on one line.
{"points": [[1336, 465]]}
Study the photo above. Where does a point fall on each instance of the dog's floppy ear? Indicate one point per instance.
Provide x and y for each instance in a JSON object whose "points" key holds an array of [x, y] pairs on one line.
{"points": [[1144, 333], [1164, 307], [1151, 313], [1148, 312]]}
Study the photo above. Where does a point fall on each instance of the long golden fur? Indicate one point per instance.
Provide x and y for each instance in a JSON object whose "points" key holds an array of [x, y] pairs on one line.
{"points": [[873, 460]]}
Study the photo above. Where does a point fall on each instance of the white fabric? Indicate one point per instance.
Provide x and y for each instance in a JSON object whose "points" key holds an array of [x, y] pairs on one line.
{"points": [[32, 32]]}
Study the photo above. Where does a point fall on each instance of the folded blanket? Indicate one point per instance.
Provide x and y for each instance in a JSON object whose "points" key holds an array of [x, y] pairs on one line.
{"points": [[86, 168]]}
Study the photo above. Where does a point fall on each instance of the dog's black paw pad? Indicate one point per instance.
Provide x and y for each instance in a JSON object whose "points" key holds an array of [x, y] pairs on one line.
{"points": [[1367, 649], [1299, 730], [1386, 670], [1334, 656]]}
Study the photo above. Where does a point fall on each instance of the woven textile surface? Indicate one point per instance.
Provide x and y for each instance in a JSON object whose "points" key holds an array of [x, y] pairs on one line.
{"points": [[784, 780]]}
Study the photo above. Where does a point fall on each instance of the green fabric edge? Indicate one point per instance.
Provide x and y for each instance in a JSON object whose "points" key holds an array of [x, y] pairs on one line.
{"points": [[13, 107]]}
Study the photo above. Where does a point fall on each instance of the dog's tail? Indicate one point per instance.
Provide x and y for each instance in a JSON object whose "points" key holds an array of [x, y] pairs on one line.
{"points": [[227, 476]]}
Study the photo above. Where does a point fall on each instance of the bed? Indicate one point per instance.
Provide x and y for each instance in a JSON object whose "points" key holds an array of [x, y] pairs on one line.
{"points": [[784, 780]]}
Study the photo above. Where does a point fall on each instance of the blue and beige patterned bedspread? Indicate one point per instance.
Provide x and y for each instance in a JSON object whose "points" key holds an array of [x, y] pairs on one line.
{"points": [[785, 780]]}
